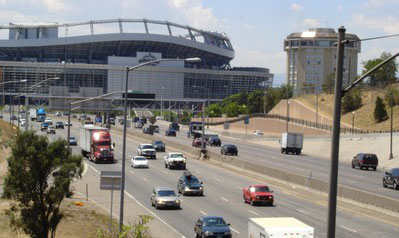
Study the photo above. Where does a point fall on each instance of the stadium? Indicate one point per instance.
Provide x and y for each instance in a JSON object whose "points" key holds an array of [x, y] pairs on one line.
{"points": [[90, 58]]}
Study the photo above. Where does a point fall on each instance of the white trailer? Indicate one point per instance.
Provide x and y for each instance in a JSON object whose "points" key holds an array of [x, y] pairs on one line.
{"points": [[86, 137], [278, 227], [291, 143], [32, 114]]}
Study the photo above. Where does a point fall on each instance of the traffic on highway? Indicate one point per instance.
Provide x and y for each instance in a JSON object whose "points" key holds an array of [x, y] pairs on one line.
{"points": [[200, 198]]}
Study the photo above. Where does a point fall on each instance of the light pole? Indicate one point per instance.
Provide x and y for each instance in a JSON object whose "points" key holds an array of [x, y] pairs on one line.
{"points": [[128, 69], [353, 122], [162, 101], [288, 115], [390, 145], [207, 100], [339, 93]]}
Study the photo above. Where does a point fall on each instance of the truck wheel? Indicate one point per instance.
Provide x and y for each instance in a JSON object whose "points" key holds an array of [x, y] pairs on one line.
{"points": [[383, 184], [251, 202], [374, 168], [395, 186], [245, 200], [166, 166], [184, 167]]}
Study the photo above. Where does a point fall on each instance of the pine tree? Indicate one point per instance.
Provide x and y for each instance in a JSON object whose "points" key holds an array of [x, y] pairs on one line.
{"points": [[380, 113]]}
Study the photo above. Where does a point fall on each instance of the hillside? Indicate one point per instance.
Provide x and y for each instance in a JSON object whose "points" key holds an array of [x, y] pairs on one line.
{"points": [[363, 116]]}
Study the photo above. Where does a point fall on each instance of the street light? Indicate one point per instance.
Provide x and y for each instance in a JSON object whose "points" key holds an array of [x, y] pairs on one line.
{"points": [[207, 100], [353, 122], [13, 81], [288, 115], [390, 147], [128, 69]]}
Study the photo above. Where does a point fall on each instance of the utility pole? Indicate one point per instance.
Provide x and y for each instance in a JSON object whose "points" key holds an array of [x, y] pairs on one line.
{"points": [[332, 198], [390, 147]]}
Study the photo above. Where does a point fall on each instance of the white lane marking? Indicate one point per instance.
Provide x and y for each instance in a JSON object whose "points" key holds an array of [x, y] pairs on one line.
{"points": [[197, 171], [347, 228], [274, 157], [224, 199], [203, 213], [234, 230], [131, 172], [238, 187], [145, 179], [152, 213], [84, 168], [357, 176], [302, 211], [253, 212], [94, 169], [217, 179], [165, 172]]}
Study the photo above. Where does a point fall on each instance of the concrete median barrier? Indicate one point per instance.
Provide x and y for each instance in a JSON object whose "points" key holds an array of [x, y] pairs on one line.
{"points": [[369, 199]]}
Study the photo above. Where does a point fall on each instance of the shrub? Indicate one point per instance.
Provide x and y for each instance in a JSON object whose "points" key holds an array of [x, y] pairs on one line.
{"points": [[352, 101], [380, 114]]}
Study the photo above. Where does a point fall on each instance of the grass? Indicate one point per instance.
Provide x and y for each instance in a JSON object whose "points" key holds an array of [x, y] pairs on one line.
{"points": [[6, 134], [364, 116]]}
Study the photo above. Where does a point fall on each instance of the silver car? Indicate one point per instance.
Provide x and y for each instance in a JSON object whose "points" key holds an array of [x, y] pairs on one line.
{"points": [[165, 197]]}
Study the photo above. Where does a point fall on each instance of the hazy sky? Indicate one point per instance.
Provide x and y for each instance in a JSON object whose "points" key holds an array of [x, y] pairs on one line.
{"points": [[256, 28]]}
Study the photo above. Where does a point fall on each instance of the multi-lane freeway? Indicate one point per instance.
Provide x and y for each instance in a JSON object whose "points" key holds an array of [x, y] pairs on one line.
{"points": [[223, 190]]}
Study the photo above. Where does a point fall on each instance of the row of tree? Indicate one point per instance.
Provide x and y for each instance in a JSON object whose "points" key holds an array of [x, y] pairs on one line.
{"points": [[258, 101]]}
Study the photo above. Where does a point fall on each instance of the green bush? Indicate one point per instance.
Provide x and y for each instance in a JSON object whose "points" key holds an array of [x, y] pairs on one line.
{"points": [[352, 101], [380, 114]]}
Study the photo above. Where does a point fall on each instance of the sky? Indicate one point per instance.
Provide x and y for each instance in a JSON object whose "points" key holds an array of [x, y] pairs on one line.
{"points": [[256, 28]]}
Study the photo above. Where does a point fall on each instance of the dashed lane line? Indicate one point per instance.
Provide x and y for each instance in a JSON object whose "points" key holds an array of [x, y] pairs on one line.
{"points": [[253, 212], [302, 211], [234, 230], [145, 179], [203, 213], [224, 199], [347, 228]]}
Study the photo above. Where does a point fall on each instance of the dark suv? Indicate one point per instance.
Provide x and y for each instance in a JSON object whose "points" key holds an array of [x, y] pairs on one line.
{"points": [[214, 140], [229, 149], [174, 126], [391, 178], [212, 226], [366, 161], [189, 184]]}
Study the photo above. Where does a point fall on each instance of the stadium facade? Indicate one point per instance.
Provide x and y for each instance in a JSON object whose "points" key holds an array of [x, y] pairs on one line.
{"points": [[93, 64]]}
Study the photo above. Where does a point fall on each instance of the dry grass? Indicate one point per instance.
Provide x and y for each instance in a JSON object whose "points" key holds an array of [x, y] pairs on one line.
{"points": [[81, 221], [364, 118]]}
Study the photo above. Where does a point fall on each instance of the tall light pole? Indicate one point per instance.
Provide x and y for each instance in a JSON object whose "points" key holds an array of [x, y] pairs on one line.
{"points": [[128, 69], [207, 99], [353, 122], [288, 115], [390, 145], [163, 88]]}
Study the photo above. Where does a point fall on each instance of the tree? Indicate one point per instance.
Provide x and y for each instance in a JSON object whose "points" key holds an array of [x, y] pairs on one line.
{"points": [[383, 75], [255, 101], [352, 101], [380, 113], [233, 109], [214, 110], [328, 83], [39, 177], [392, 93]]}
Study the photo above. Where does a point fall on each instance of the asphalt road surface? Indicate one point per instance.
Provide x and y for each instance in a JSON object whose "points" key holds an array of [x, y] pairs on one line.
{"points": [[223, 192]]}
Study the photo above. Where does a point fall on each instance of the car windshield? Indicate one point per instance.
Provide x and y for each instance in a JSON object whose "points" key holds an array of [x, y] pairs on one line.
{"points": [[72, 138], [395, 172], [44, 124], [191, 179], [214, 222], [176, 156], [139, 158], [260, 189], [231, 146], [148, 147], [158, 142], [103, 143], [166, 193], [60, 123]]}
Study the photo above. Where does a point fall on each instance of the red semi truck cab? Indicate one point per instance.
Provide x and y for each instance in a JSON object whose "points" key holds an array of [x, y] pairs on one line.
{"points": [[96, 144]]}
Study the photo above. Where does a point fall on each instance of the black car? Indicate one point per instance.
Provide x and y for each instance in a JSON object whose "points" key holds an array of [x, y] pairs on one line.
{"points": [[148, 130], [1, 116], [189, 184], [391, 178], [170, 132], [174, 126], [229, 149], [212, 226], [214, 140], [363, 160], [13, 117], [159, 146], [73, 141], [44, 126], [59, 124]]}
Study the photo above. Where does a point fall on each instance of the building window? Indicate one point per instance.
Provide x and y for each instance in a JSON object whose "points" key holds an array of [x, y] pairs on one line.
{"points": [[295, 43]]}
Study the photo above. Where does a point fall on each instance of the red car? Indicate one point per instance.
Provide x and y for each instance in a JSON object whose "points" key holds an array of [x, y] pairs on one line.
{"points": [[258, 193], [197, 142]]}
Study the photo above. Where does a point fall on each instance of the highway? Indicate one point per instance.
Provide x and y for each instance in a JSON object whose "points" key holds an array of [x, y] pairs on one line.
{"points": [[223, 195], [317, 168]]}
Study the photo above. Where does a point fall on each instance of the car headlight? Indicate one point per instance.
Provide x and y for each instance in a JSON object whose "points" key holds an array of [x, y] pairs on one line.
{"points": [[270, 197], [208, 233], [160, 201], [177, 201], [227, 233], [256, 196], [200, 188], [186, 188]]}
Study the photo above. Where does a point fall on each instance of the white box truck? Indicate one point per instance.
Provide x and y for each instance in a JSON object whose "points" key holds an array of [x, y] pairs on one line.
{"points": [[32, 114], [291, 143], [278, 227]]}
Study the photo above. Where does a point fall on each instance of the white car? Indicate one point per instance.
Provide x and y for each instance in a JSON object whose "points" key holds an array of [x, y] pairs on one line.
{"points": [[58, 114], [139, 162], [258, 132], [175, 160], [160, 118], [49, 121], [146, 150], [138, 125]]}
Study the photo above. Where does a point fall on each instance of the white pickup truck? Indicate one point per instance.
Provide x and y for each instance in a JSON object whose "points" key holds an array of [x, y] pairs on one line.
{"points": [[147, 150], [175, 160]]}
